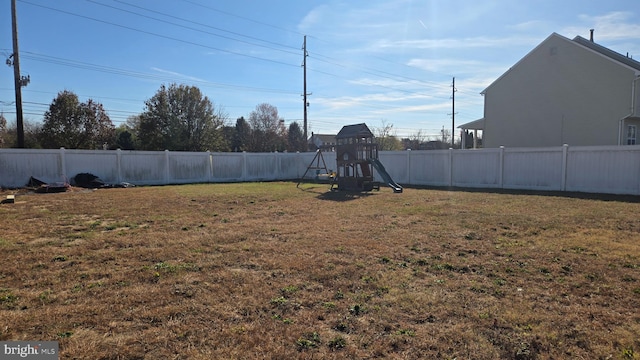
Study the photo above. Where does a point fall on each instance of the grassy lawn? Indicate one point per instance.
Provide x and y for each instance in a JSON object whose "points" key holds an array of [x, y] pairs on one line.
{"points": [[268, 270]]}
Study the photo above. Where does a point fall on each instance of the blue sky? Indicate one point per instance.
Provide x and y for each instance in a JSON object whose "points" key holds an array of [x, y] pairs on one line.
{"points": [[378, 62]]}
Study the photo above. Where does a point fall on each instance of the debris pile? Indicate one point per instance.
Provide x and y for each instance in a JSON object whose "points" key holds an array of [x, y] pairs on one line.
{"points": [[83, 180], [40, 186], [90, 181]]}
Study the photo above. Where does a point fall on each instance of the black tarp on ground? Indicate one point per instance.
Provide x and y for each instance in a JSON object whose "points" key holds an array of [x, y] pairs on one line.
{"points": [[87, 180], [90, 181], [40, 186]]}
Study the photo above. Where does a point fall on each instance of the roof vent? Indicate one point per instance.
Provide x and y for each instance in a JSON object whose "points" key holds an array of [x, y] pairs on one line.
{"points": [[591, 37]]}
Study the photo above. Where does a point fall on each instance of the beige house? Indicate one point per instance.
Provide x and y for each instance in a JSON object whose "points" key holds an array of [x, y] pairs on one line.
{"points": [[564, 91], [324, 142]]}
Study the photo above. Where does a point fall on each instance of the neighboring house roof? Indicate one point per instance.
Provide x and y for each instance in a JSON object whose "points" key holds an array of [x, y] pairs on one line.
{"points": [[580, 41], [323, 138], [322, 141], [473, 125], [354, 131]]}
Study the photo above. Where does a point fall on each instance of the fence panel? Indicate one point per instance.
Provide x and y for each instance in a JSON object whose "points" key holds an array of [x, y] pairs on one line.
{"points": [[101, 163], [614, 170], [604, 169], [189, 167], [533, 169], [428, 167], [473, 168], [143, 167], [227, 167], [261, 166], [18, 165], [395, 162]]}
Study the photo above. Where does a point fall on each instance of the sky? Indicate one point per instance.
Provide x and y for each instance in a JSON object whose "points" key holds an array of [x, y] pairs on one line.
{"points": [[379, 62]]}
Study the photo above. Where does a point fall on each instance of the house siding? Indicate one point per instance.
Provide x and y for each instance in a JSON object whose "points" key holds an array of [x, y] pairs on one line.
{"points": [[559, 93]]}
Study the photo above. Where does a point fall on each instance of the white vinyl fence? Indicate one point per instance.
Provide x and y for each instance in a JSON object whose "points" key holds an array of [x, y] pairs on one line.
{"points": [[602, 169]]}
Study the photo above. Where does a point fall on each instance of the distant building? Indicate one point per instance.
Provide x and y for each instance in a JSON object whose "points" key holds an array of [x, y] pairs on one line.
{"points": [[323, 142], [563, 91]]}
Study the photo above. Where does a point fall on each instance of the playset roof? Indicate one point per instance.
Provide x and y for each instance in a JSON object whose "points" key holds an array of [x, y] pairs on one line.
{"points": [[354, 131]]}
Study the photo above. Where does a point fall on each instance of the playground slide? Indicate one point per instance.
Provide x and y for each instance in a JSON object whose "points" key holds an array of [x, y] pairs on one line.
{"points": [[385, 175]]}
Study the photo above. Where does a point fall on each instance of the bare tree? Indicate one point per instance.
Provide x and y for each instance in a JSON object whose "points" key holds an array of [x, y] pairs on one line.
{"points": [[3, 129], [416, 140], [386, 137], [446, 136], [31, 131], [267, 129]]}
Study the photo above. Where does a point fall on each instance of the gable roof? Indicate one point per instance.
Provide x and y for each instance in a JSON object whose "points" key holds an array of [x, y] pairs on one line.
{"points": [[354, 131], [608, 52], [580, 41], [325, 138]]}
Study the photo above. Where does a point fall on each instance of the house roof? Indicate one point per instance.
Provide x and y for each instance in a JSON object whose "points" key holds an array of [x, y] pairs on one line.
{"points": [[578, 40], [354, 131], [608, 52], [473, 125], [325, 138]]}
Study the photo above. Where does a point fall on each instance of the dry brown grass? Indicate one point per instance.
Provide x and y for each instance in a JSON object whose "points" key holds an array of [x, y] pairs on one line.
{"points": [[266, 270]]}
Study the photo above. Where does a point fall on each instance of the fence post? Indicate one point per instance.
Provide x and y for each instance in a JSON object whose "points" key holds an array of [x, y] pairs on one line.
{"points": [[501, 168], [450, 167], [409, 166], [244, 166], [277, 169], [167, 172], [210, 157], [63, 165], [119, 164], [565, 155]]}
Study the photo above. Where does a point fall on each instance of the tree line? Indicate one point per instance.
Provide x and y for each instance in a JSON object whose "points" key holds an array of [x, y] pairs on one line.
{"points": [[181, 118], [176, 118]]}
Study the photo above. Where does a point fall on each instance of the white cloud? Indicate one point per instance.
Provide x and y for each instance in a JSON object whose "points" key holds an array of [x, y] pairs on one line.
{"points": [[314, 18], [410, 51], [618, 25], [447, 66], [529, 26], [456, 43], [407, 88], [177, 74]]}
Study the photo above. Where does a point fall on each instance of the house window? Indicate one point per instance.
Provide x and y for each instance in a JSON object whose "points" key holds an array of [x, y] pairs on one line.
{"points": [[631, 135]]}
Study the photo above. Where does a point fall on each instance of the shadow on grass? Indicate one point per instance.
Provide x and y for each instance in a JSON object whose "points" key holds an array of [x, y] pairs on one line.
{"points": [[326, 193], [564, 194], [337, 195]]}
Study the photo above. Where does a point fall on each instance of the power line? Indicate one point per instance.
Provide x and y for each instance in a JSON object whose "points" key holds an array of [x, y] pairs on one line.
{"points": [[318, 57], [386, 75], [370, 70], [243, 17], [117, 71], [194, 29], [158, 35]]}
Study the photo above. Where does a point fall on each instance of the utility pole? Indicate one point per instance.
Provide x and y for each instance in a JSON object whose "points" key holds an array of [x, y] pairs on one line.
{"points": [[453, 111], [304, 95], [19, 81]]}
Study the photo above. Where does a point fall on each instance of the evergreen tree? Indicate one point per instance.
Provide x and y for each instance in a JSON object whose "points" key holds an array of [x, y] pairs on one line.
{"points": [[295, 137]]}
